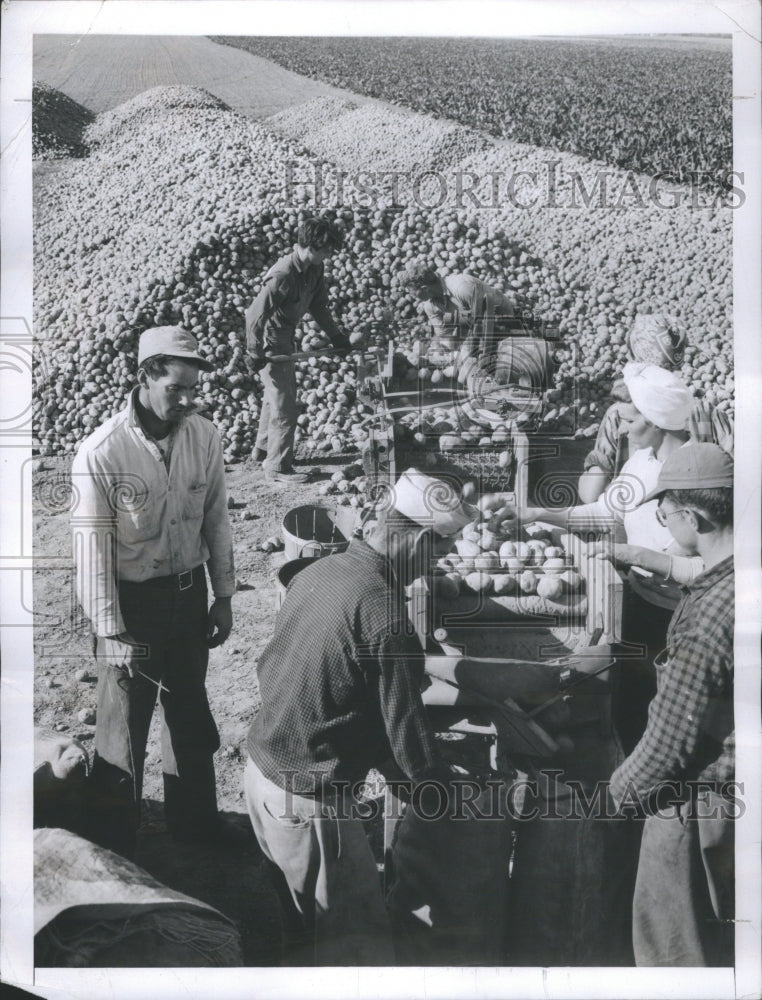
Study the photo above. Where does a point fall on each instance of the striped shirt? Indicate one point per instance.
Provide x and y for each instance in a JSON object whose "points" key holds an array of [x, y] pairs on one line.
{"points": [[690, 734], [340, 681]]}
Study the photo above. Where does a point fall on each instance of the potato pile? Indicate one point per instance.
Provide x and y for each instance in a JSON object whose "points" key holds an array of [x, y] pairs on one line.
{"points": [[58, 124], [587, 267], [507, 563], [181, 206], [335, 130]]}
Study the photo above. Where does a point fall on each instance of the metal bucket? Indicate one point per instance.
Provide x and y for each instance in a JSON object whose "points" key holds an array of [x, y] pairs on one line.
{"points": [[312, 530], [286, 574]]}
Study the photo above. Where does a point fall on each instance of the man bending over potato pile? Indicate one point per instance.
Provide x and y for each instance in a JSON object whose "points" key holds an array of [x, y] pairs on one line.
{"points": [[458, 306], [292, 287]]}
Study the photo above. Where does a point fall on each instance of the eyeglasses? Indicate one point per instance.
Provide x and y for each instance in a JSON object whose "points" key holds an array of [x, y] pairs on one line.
{"points": [[662, 515]]}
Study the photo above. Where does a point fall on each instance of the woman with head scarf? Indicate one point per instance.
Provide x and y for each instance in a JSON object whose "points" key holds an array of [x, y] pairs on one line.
{"points": [[655, 421], [655, 339]]}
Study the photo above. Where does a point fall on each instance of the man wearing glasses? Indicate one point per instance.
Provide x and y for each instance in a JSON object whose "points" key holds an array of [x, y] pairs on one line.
{"points": [[683, 906]]}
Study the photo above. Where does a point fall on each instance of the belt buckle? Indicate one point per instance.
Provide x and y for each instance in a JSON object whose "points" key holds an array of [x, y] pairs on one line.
{"points": [[185, 579]]}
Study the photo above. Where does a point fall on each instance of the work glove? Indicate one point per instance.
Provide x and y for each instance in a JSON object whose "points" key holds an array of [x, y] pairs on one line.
{"points": [[341, 345]]}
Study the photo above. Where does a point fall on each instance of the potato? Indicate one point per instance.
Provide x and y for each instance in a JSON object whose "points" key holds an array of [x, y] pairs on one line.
{"points": [[550, 587], [554, 566], [504, 583], [507, 550], [479, 582], [487, 538], [467, 549], [528, 582], [487, 561], [523, 552], [512, 564]]}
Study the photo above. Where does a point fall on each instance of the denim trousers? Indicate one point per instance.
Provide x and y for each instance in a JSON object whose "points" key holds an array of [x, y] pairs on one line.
{"points": [[171, 623], [328, 866], [277, 418], [684, 902]]}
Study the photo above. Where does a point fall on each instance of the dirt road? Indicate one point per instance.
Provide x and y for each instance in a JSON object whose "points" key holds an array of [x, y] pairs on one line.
{"points": [[102, 71]]}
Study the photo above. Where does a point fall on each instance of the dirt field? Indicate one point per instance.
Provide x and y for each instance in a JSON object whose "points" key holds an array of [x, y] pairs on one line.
{"points": [[233, 881], [103, 71]]}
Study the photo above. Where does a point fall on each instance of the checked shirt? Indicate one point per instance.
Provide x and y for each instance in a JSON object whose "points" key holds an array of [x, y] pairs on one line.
{"points": [[340, 680], [690, 733]]}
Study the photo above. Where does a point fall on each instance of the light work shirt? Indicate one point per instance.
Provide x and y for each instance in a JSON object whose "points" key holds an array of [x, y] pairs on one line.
{"points": [[135, 517]]}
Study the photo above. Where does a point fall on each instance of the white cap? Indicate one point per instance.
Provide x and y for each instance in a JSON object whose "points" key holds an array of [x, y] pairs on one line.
{"points": [[430, 502]]}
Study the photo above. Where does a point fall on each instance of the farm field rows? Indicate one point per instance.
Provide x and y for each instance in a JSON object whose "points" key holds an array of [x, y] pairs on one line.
{"points": [[660, 110]]}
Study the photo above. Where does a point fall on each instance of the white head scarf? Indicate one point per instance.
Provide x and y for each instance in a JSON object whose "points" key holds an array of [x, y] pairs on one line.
{"points": [[661, 396]]}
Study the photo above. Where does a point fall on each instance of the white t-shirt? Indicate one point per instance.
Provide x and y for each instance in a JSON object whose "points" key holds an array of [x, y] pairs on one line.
{"points": [[622, 501]]}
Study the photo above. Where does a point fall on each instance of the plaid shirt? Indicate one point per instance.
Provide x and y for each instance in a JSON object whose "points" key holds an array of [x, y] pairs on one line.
{"points": [[690, 733], [340, 680]]}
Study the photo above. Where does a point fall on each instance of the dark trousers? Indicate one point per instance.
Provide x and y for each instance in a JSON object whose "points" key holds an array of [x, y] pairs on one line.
{"points": [[172, 625], [684, 894], [644, 636]]}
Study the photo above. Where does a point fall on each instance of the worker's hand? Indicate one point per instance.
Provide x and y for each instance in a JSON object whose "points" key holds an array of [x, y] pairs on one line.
{"points": [[503, 516], [219, 622], [255, 363], [618, 552], [120, 651]]}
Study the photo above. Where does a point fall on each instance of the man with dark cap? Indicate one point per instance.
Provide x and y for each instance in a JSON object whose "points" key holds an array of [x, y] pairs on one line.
{"points": [[682, 770], [340, 684], [292, 287], [150, 513]]}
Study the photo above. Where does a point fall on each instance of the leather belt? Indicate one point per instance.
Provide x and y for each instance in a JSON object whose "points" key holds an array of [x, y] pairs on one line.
{"points": [[176, 581]]}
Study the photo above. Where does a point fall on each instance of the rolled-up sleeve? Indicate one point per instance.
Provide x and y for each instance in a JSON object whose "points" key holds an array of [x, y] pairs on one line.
{"points": [[604, 454], [93, 528], [681, 717], [216, 525]]}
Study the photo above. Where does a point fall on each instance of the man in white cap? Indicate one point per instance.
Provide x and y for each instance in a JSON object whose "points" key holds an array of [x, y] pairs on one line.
{"points": [[150, 514], [340, 683], [682, 770]]}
